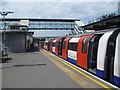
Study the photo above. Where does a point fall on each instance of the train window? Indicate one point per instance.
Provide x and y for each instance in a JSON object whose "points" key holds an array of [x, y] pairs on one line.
{"points": [[70, 46], [84, 44], [53, 44], [60, 41], [75, 45]]}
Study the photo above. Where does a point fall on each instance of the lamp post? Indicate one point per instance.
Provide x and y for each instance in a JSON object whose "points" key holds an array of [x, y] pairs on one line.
{"points": [[5, 14]]}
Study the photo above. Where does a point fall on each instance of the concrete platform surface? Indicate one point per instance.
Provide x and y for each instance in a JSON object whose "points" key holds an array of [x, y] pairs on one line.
{"points": [[45, 70], [34, 70]]}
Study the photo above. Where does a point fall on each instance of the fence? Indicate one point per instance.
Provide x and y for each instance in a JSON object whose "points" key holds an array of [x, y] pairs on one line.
{"points": [[104, 17]]}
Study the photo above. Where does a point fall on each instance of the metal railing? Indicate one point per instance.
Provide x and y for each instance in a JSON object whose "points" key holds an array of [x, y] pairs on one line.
{"points": [[78, 29], [104, 17]]}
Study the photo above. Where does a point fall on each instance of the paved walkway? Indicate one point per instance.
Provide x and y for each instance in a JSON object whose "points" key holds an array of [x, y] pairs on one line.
{"points": [[44, 70], [34, 70]]}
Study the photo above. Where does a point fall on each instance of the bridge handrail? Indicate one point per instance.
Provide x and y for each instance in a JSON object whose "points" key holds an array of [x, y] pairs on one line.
{"points": [[104, 17]]}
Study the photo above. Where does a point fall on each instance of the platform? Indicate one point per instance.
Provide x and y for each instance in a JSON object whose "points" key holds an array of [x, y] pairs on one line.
{"points": [[45, 70]]}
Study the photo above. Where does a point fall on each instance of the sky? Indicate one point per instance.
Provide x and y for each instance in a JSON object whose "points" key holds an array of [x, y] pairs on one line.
{"points": [[85, 10]]}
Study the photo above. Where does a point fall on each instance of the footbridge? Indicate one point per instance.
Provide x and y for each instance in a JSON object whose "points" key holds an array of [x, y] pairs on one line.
{"points": [[37, 25]]}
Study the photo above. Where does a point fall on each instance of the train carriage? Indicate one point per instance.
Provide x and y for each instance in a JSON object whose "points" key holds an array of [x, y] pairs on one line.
{"points": [[106, 55], [82, 51], [116, 78], [58, 46], [109, 59], [92, 52], [101, 53], [53, 46], [97, 52], [46, 45], [49, 45]]}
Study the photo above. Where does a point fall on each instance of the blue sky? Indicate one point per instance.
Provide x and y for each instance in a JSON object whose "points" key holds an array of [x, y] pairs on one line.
{"points": [[84, 11]]}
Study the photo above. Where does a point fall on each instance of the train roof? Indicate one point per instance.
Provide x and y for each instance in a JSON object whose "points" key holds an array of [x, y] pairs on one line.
{"points": [[89, 33], [97, 32], [74, 39]]}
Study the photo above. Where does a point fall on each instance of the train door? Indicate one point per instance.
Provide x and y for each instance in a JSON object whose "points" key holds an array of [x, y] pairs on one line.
{"points": [[72, 49], [102, 49], [82, 51], [53, 46], [92, 53], [51, 42], [45, 45], [65, 48], [60, 44], [48, 46], [109, 59], [56, 46], [116, 79], [59, 47]]}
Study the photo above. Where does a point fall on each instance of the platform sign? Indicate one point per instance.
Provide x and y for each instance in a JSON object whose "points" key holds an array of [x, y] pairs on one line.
{"points": [[24, 22]]}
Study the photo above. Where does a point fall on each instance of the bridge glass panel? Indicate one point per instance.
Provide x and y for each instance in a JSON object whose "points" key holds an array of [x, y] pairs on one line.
{"points": [[41, 24]]}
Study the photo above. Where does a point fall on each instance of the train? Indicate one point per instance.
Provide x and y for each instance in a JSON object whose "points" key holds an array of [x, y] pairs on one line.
{"points": [[97, 52]]}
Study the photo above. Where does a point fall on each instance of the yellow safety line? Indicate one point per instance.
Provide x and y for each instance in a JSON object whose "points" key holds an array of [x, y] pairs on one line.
{"points": [[68, 72], [79, 71]]}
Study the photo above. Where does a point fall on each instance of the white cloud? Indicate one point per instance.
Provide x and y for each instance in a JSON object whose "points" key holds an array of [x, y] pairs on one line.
{"points": [[83, 10]]}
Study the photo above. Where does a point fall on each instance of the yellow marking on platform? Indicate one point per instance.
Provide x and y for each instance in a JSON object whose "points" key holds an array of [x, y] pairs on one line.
{"points": [[78, 70], [70, 73]]}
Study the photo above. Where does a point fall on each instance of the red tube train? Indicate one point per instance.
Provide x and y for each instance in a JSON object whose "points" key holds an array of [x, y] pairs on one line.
{"points": [[96, 52]]}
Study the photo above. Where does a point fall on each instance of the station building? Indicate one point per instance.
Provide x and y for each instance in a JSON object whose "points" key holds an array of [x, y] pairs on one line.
{"points": [[16, 40]]}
